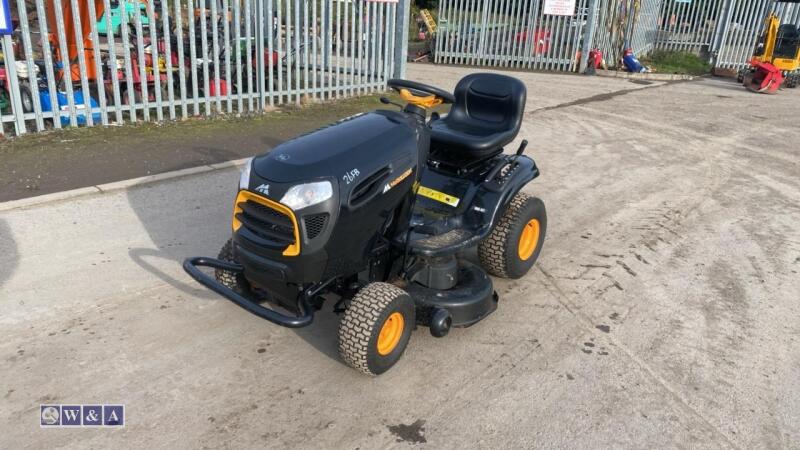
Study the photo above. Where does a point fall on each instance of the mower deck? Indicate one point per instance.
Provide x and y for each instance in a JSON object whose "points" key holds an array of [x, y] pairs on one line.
{"points": [[470, 300]]}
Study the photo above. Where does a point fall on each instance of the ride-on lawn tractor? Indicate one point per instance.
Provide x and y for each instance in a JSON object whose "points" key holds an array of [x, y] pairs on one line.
{"points": [[374, 212], [776, 61]]}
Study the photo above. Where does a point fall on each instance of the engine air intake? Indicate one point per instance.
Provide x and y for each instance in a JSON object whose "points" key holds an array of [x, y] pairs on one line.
{"points": [[315, 224]]}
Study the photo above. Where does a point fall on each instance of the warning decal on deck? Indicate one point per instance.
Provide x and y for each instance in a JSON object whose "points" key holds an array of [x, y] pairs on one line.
{"points": [[438, 196]]}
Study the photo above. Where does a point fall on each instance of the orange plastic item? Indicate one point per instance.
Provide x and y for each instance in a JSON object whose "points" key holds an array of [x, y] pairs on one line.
{"points": [[71, 38]]}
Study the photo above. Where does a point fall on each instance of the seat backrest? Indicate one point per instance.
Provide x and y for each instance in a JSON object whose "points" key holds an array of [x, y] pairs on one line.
{"points": [[489, 101], [787, 41], [788, 31]]}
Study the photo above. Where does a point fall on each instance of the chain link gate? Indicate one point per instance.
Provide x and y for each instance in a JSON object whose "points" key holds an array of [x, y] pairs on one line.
{"points": [[90, 62]]}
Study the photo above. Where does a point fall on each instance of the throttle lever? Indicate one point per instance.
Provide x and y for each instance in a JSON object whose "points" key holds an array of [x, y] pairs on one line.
{"points": [[522, 146]]}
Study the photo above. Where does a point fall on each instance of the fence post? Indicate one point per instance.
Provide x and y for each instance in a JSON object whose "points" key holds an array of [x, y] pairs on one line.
{"points": [[13, 85], [723, 23], [401, 38], [588, 35]]}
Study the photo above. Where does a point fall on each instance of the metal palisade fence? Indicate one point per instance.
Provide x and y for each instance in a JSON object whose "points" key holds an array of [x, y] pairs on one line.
{"points": [[90, 62], [625, 24], [726, 31], [508, 33], [741, 23], [520, 33]]}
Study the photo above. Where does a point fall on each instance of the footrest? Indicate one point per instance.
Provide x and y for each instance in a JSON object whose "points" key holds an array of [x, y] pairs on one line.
{"points": [[442, 244]]}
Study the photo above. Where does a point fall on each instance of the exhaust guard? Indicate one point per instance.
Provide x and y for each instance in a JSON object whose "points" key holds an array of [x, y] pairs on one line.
{"points": [[192, 265]]}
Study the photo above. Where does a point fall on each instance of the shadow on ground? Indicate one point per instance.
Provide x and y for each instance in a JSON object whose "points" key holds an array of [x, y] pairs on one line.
{"points": [[180, 223], [198, 223], [8, 250]]}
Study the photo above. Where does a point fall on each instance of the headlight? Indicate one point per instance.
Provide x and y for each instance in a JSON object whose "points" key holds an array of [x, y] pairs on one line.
{"points": [[303, 195], [244, 178]]}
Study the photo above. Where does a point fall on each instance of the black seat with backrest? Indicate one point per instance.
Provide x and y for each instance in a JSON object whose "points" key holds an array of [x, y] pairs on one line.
{"points": [[486, 115]]}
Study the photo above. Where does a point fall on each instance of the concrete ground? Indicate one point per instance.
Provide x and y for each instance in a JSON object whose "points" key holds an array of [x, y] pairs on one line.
{"points": [[662, 313]]}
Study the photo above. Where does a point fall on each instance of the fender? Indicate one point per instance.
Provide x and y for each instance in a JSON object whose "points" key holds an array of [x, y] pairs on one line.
{"points": [[503, 182]]}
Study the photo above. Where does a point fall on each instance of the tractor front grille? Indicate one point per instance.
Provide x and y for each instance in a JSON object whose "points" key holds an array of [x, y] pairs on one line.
{"points": [[266, 223], [270, 222]]}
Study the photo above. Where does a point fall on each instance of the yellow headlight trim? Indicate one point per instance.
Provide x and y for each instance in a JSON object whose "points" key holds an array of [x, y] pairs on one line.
{"points": [[243, 196]]}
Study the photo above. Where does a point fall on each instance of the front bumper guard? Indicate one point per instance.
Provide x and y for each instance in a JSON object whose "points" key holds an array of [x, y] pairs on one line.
{"points": [[192, 265]]}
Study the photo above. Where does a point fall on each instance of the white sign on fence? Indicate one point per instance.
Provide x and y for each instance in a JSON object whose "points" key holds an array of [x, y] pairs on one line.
{"points": [[559, 7], [5, 18]]}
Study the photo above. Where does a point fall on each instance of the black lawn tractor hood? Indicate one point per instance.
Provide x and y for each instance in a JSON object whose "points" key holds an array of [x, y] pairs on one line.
{"points": [[342, 146]]}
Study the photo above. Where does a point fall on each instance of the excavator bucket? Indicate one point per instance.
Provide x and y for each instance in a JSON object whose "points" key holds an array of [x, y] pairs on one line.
{"points": [[765, 79]]}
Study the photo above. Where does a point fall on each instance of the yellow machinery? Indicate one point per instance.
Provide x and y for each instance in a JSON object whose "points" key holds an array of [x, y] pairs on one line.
{"points": [[777, 57], [779, 45], [428, 19]]}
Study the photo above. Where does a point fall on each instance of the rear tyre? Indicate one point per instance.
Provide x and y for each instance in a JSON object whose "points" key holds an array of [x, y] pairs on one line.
{"points": [[514, 244], [376, 328], [232, 280], [26, 97], [792, 80]]}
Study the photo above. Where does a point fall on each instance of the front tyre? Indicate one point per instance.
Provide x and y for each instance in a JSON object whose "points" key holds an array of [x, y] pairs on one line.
{"points": [[375, 329], [514, 244], [232, 280]]}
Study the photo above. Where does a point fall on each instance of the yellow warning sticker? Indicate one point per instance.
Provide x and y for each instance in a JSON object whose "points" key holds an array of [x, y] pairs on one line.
{"points": [[438, 196]]}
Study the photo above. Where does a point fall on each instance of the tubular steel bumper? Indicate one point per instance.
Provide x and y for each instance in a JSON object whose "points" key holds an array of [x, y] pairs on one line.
{"points": [[191, 266]]}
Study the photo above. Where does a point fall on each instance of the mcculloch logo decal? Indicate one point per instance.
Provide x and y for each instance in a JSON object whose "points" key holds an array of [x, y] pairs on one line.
{"points": [[264, 189], [397, 180]]}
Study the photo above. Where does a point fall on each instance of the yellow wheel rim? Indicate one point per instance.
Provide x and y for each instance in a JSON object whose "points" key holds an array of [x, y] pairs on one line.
{"points": [[528, 239], [391, 331]]}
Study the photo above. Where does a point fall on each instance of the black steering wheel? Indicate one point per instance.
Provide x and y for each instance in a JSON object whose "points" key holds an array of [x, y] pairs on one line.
{"points": [[419, 88]]}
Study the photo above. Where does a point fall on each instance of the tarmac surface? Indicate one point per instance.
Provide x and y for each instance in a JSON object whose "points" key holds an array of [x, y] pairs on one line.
{"points": [[55, 161], [662, 312]]}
